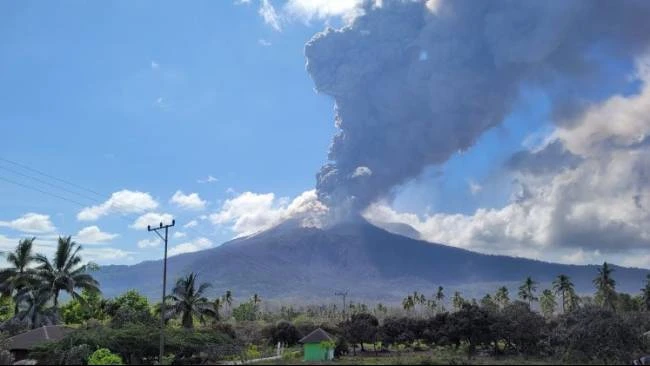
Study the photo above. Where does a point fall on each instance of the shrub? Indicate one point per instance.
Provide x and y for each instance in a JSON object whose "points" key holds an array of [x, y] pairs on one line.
{"points": [[126, 316], [342, 347], [224, 328], [77, 355], [592, 334], [252, 352], [134, 343], [283, 332], [104, 356]]}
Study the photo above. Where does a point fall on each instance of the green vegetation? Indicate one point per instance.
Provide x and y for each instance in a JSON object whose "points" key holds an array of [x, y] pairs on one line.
{"points": [[188, 301], [104, 356], [495, 330], [34, 282]]}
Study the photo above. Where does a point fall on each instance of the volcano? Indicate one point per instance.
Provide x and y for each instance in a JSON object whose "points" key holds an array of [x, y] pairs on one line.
{"points": [[307, 264]]}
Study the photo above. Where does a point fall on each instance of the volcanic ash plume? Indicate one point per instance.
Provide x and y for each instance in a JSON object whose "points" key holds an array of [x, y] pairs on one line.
{"points": [[416, 81]]}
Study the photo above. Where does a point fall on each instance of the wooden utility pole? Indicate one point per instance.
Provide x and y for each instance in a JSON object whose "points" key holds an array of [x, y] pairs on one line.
{"points": [[162, 305]]}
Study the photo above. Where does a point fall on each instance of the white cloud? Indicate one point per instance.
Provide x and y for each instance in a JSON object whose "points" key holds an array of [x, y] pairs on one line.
{"points": [[592, 206], [149, 243], [151, 218], [209, 179], [474, 187], [322, 9], [264, 42], [270, 16], [362, 171], [250, 212], [155, 65], [191, 246], [41, 244], [31, 223], [190, 224], [190, 201], [105, 255], [122, 202], [93, 235], [179, 234]]}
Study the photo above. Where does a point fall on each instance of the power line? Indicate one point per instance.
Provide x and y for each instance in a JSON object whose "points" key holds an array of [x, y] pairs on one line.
{"points": [[51, 177], [94, 200], [42, 191]]}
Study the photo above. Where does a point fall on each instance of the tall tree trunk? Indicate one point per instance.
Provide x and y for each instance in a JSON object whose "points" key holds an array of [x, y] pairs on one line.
{"points": [[188, 322]]}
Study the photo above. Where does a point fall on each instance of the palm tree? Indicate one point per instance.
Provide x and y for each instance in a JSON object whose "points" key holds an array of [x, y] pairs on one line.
{"points": [[432, 305], [440, 297], [547, 303], [645, 294], [457, 301], [18, 275], [563, 286], [227, 299], [65, 272], [527, 291], [216, 305], [381, 309], [488, 303], [501, 297], [418, 299], [189, 301], [408, 303], [606, 287], [33, 307]]}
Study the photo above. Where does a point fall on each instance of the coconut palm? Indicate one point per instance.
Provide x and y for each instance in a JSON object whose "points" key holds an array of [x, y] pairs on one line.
{"points": [[457, 301], [408, 303], [440, 298], [606, 287], [227, 298], [65, 272], [563, 286], [188, 301], [548, 303], [216, 305], [487, 302], [527, 291], [33, 307], [645, 294], [501, 297], [18, 275]]}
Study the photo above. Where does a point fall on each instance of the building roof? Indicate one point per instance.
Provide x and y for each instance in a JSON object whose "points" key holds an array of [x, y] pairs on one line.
{"points": [[31, 338], [317, 336]]}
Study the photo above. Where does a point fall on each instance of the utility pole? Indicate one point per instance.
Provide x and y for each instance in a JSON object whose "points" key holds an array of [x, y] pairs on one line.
{"points": [[343, 294], [162, 305]]}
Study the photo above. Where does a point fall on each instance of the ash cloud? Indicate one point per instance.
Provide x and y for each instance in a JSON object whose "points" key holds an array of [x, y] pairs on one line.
{"points": [[414, 84]]}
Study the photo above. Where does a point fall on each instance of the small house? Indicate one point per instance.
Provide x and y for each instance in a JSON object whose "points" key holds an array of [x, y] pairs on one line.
{"points": [[318, 346], [20, 345]]}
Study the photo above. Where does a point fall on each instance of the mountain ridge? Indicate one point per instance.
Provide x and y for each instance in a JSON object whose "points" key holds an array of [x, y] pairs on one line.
{"points": [[289, 261]]}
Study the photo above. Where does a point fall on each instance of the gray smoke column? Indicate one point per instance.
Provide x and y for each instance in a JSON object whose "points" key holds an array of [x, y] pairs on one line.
{"points": [[415, 82]]}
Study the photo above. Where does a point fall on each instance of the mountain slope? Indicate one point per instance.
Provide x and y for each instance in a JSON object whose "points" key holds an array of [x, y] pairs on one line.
{"points": [[289, 261]]}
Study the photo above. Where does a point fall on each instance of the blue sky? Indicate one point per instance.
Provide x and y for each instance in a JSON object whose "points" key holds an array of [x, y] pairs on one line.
{"points": [[155, 97]]}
